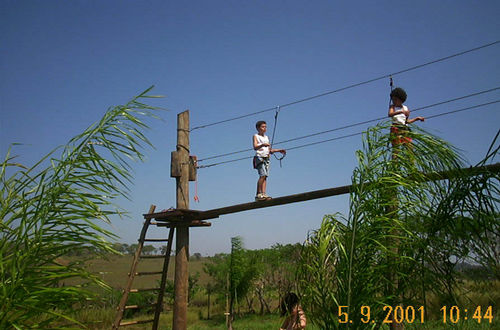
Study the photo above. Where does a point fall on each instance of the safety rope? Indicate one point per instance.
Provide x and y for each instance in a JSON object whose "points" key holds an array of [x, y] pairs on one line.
{"points": [[278, 108], [391, 84], [194, 162]]}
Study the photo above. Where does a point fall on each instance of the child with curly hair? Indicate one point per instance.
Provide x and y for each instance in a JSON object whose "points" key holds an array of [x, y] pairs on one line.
{"points": [[400, 115]]}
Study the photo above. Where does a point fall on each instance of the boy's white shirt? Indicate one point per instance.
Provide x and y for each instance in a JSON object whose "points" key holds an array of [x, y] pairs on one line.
{"points": [[263, 151]]}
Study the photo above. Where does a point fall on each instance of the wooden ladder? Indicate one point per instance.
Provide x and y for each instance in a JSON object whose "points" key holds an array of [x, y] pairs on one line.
{"points": [[133, 273]]}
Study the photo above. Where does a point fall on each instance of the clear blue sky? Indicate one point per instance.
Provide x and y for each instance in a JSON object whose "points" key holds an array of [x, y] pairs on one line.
{"points": [[63, 63]]}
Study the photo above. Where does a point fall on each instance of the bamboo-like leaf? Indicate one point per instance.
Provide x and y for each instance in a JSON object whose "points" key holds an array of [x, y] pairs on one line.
{"points": [[57, 206]]}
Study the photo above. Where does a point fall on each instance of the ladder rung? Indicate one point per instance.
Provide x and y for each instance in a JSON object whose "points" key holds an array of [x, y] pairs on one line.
{"points": [[138, 306], [143, 290], [152, 257], [148, 273], [124, 324], [155, 240]]}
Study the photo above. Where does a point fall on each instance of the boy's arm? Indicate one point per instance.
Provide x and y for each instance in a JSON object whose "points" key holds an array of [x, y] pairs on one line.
{"points": [[256, 145], [283, 151]]}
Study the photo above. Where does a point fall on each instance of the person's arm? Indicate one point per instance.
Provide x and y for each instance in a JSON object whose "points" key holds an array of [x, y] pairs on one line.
{"points": [[283, 151], [411, 121], [256, 145], [302, 318], [393, 112]]}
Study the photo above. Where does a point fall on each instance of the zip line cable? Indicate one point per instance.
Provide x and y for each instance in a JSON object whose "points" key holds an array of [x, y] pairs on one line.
{"points": [[350, 135], [355, 124], [382, 118], [351, 86]]}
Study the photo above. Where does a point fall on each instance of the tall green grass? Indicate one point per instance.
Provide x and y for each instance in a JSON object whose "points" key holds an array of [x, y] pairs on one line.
{"points": [[404, 233]]}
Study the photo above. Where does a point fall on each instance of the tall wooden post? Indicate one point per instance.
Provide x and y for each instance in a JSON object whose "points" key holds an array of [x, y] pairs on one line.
{"points": [[394, 247], [182, 232]]}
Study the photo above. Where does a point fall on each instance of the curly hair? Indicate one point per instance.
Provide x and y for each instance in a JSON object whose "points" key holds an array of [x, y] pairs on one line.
{"points": [[399, 93], [288, 303]]}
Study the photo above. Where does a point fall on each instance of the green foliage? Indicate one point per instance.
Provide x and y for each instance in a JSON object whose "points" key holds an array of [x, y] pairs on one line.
{"points": [[218, 269], [468, 213], [406, 230], [264, 276], [242, 271], [276, 267], [193, 288], [320, 279], [147, 299], [55, 208]]}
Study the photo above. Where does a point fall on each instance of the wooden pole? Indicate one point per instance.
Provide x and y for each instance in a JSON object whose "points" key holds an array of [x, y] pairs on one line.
{"points": [[182, 232], [392, 212]]}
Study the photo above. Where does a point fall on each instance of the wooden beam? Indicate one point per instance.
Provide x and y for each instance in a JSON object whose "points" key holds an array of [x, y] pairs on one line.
{"points": [[302, 197], [181, 215], [215, 213]]}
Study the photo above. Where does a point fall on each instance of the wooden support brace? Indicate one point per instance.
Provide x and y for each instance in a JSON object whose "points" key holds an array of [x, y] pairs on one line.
{"points": [[193, 168], [175, 165]]}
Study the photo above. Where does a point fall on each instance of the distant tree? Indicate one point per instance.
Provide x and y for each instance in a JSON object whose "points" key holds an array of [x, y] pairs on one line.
{"points": [[148, 249], [120, 247], [132, 248], [209, 289], [197, 256], [269, 273], [218, 269], [163, 249], [242, 273], [276, 268], [193, 286]]}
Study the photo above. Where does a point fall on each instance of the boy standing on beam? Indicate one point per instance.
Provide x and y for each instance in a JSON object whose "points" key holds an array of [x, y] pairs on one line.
{"points": [[261, 159]]}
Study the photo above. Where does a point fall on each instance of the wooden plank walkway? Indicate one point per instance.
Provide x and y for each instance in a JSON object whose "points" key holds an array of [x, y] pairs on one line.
{"points": [[195, 216]]}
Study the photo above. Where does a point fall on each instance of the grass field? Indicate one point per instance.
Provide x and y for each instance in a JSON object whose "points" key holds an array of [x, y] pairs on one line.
{"points": [[257, 322], [114, 270]]}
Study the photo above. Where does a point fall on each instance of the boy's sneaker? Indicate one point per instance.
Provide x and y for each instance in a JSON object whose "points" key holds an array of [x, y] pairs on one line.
{"points": [[260, 197], [267, 197]]}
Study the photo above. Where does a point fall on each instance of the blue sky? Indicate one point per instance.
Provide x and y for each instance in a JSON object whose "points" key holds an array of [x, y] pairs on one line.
{"points": [[63, 63]]}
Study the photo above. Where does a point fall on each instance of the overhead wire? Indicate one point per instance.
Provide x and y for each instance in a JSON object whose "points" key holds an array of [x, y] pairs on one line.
{"points": [[381, 118], [463, 109], [351, 86], [353, 125], [351, 135]]}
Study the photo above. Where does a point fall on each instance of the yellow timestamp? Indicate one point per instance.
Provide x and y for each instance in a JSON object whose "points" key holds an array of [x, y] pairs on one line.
{"points": [[454, 314], [411, 314]]}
